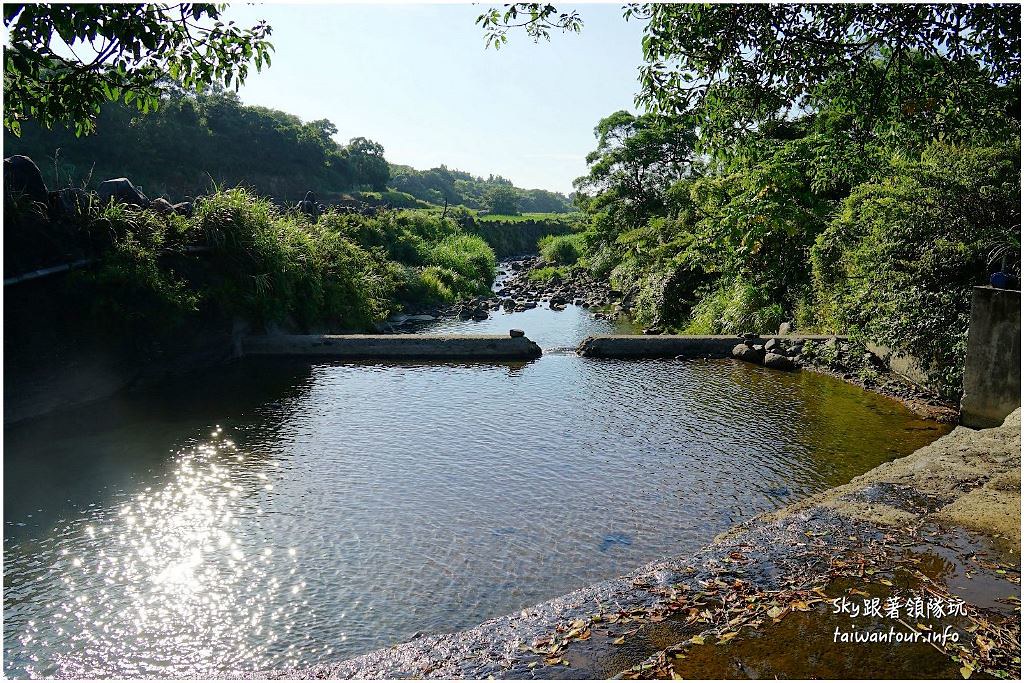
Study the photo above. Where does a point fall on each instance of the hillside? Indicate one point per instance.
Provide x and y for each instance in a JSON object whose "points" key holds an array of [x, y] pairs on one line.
{"points": [[194, 143]]}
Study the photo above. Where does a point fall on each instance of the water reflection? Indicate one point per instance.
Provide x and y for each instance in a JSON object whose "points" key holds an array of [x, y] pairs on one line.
{"points": [[275, 514]]}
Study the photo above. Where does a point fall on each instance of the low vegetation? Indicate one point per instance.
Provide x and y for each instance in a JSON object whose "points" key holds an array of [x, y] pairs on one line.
{"points": [[240, 256]]}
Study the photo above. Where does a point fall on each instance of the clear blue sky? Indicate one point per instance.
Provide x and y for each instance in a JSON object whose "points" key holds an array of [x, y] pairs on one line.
{"points": [[417, 79]]}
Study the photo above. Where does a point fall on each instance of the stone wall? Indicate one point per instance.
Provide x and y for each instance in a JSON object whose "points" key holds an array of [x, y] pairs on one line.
{"points": [[992, 369]]}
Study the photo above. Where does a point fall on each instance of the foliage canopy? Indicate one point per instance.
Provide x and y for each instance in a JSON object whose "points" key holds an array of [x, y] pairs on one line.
{"points": [[128, 52]]}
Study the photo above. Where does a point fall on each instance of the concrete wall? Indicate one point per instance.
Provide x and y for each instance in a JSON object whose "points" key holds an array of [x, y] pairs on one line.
{"points": [[672, 345], [907, 367], [394, 346], [992, 370]]}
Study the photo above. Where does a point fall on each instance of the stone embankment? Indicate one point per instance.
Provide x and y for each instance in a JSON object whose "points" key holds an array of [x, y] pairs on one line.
{"points": [[694, 346], [938, 527]]}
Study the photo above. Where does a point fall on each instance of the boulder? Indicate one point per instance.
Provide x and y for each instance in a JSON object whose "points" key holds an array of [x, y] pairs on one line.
{"points": [[774, 345], [516, 333], [310, 206], [23, 178], [122, 191], [161, 205], [777, 361], [70, 203], [748, 352], [650, 330], [183, 208], [786, 328]]}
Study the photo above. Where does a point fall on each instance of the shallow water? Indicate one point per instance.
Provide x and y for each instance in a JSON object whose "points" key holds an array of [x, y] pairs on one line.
{"points": [[275, 514]]}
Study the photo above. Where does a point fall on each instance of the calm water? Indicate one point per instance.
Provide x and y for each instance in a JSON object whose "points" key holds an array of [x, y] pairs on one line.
{"points": [[276, 514]]}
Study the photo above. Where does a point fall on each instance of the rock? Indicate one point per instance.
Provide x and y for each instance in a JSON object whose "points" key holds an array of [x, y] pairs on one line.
{"points": [[774, 345], [530, 304], [310, 206], [480, 314], [516, 333], [750, 337], [748, 352], [70, 203], [183, 208], [122, 191], [161, 205], [23, 178], [777, 361], [786, 328], [652, 330], [557, 307], [420, 319]]}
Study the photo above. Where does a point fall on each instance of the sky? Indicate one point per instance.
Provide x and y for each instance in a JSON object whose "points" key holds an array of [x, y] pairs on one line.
{"points": [[418, 80]]}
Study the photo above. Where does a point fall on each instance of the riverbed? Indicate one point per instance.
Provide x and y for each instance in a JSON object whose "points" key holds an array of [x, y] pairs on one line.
{"points": [[277, 514]]}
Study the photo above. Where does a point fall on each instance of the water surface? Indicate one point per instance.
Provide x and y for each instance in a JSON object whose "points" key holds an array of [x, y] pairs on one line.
{"points": [[273, 514]]}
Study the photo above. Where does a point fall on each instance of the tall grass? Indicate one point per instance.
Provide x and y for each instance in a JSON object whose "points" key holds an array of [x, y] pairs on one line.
{"points": [[562, 250], [268, 265]]}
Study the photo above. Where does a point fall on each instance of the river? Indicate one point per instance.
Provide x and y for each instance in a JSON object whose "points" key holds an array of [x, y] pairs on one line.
{"points": [[277, 513]]}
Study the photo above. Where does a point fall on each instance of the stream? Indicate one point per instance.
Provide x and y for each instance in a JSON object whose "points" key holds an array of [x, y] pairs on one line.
{"points": [[279, 513]]}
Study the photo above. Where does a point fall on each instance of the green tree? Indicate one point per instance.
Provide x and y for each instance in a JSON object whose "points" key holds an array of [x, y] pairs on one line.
{"points": [[742, 65], [370, 167], [636, 159], [128, 51], [503, 200]]}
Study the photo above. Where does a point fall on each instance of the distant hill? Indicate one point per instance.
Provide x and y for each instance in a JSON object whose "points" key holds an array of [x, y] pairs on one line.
{"points": [[458, 187], [193, 143]]}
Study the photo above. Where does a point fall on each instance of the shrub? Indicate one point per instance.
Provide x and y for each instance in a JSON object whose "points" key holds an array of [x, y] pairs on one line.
{"points": [[467, 255], [562, 250], [897, 264], [734, 308]]}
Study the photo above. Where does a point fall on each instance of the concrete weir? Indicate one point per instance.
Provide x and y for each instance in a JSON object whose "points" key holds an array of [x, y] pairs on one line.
{"points": [[671, 345], [393, 346]]}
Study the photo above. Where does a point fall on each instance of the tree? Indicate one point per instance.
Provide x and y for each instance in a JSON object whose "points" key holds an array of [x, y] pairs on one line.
{"points": [[503, 200], [637, 158], [367, 160], [128, 51], [742, 65]]}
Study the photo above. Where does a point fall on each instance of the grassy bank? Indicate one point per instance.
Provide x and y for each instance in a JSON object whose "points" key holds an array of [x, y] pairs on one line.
{"points": [[510, 235], [240, 256]]}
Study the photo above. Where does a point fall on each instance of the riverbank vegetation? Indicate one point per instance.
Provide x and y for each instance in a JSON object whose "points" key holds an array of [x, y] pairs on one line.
{"points": [[238, 256], [856, 180]]}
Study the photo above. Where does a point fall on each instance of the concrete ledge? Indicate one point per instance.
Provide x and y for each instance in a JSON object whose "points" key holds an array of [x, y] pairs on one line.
{"points": [[393, 346], [672, 345]]}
